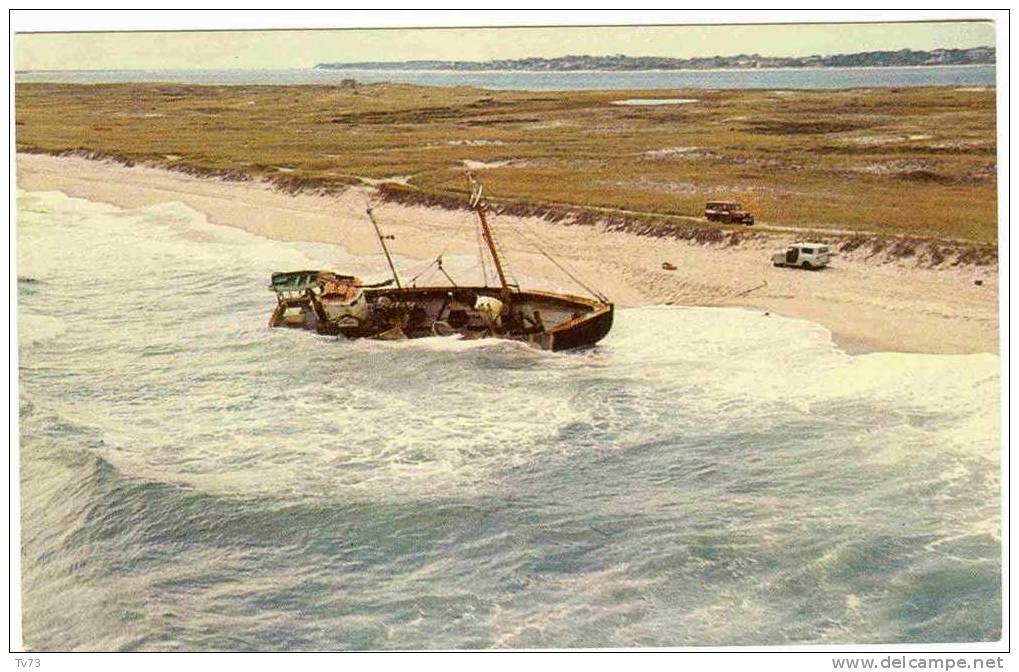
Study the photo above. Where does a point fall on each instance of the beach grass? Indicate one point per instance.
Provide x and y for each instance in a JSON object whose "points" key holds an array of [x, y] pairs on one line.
{"points": [[916, 162]]}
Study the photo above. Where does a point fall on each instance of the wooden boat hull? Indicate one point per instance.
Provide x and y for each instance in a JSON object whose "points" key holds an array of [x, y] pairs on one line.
{"points": [[545, 320], [585, 332]]}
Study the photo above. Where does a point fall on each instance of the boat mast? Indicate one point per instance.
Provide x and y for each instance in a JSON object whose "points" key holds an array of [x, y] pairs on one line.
{"points": [[486, 232], [385, 248]]}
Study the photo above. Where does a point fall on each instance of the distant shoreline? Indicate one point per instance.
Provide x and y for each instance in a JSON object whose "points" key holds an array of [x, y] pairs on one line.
{"points": [[982, 55], [529, 72], [654, 70]]}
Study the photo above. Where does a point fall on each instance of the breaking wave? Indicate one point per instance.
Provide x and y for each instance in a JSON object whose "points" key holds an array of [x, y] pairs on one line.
{"points": [[194, 480]]}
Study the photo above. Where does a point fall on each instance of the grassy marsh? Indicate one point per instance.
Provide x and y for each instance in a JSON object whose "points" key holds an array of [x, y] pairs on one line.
{"points": [[916, 162]]}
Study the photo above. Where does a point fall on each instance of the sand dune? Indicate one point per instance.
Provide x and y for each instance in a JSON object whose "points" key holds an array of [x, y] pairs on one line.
{"points": [[866, 305]]}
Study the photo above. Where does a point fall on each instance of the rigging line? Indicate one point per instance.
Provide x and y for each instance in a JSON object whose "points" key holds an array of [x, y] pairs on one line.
{"points": [[506, 267], [527, 240], [413, 281], [438, 259], [442, 254], [437, 262], [431, 274], [566, 269], [533, 243], [431, 262], [420, 268], [439, 266], [594, 292], [520, 234], [427, 264], [423, 271]]}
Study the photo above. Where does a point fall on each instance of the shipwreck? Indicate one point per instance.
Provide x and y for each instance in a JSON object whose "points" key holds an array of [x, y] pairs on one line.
{"points": [[332, 303]]}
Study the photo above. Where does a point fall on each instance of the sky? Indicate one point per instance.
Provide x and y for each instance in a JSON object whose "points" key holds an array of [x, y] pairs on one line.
{"points": [[303, 49]]}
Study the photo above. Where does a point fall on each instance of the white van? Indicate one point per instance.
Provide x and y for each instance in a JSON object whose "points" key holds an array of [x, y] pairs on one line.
{"points": [[803, 255]]}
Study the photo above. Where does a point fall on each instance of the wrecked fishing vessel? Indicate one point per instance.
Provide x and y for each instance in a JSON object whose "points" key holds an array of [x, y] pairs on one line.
{"points": [[331, 303]]}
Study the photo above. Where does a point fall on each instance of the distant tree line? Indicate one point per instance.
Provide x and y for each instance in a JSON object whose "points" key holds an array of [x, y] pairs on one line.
{"points": [[902, 57]]}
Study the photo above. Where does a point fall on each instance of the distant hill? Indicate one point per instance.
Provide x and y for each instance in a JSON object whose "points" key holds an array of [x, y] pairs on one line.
{"points": [[903, 57]]}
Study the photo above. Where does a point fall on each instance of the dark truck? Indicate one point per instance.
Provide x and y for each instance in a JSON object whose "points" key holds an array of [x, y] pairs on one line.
{"points": [[727, 212]]}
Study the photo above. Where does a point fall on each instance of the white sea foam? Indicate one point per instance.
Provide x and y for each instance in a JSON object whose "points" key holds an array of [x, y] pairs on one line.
{"points": [[433, 420], [703, 476]]}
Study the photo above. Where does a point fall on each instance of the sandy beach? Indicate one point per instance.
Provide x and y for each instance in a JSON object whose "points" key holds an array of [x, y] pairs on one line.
{"points": [[867, 305]]}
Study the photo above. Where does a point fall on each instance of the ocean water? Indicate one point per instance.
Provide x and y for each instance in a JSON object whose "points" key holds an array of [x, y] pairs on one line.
{"points": [[779, 78], [192, 480]]}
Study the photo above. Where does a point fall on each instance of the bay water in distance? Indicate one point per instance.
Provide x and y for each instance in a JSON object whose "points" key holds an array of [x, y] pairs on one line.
{"points": [[778, 78]]}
